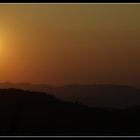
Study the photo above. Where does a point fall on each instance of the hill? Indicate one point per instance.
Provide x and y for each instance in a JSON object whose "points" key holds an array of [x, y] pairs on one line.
{"points": [[103, 96], [36, 113]]}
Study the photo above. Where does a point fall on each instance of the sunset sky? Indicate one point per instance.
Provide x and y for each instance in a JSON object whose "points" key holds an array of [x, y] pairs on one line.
{"points": [[66, 44]]}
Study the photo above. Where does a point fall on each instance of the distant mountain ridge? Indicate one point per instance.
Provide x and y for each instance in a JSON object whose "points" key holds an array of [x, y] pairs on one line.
{"points": [[104, 96]]}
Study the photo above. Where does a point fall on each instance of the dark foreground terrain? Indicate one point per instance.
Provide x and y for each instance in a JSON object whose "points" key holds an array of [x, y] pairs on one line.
{"points": [[34, 113]]}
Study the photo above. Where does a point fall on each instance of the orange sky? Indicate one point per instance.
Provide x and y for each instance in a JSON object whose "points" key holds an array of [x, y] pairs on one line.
{"points": [[65, 44]]}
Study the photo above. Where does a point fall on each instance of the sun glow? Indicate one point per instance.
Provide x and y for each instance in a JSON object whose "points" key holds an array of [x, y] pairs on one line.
{"points": [[5, 45], [2, 44], [7, 39]]}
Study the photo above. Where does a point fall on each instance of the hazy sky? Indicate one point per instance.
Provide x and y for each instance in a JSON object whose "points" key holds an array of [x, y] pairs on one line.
{"points": [[65, 44]]}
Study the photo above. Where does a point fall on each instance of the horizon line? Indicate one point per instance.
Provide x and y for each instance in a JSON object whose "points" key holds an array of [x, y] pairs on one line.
{"points": [[78, 84]]}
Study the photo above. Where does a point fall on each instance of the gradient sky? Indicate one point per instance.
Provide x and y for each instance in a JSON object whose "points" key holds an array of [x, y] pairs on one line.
{"points": [[66, 44]]}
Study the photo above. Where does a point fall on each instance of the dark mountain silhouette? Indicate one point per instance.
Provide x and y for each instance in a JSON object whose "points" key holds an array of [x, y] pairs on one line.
{"points": [[25, 112], [36, 113], [111, 96]]}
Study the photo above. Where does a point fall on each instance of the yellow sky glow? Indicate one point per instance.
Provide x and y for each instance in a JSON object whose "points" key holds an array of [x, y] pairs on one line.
{"points": [[64, 44]]}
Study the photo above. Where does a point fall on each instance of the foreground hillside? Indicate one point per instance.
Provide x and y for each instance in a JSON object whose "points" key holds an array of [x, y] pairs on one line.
{"points": [[34, 113]]}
